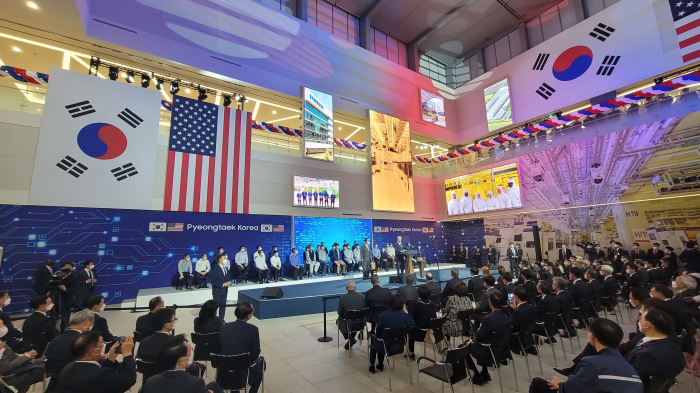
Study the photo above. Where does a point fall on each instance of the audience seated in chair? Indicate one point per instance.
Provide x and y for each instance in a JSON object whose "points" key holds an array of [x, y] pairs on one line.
{"points": [[38, 327], [395, 317], [19, 371], [522, 314], [421, 312], [241, 337], [456, 303], [449, 287], [349, 302], [58, 353], [408, 292], [207, 321], [144, 323], [13, 338], [96, 304]]}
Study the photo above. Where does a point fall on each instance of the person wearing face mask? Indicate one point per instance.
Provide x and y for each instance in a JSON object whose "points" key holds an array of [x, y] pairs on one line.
{"points": [[512, 255], [655, 253], [637, 253], [67, 286], [365, 258], [38, 326], [296, 266], [90, 373], [220, 282], [684, 286], [671, 259], [96, 304], [241, 337], [620, 252], [19, 371], [85, 281], [43, 276], [13, 338], [184, 269], [610, 287], [337, 259], [276, 266], [242, 265], [58, 353], [176, 356], [261, 267], [565, 252], [591, 253], [691, 257], [202, 268]]}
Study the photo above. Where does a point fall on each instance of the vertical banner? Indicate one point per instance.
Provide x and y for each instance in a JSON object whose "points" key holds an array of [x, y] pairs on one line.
{"points": [[392, 170], [318, 125], [208, 158], [97, 144]]}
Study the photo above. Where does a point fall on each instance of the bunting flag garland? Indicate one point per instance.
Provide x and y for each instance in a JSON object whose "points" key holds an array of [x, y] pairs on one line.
{"points": [[262, 126], [167, 105], [350, 145], [35, 78]]}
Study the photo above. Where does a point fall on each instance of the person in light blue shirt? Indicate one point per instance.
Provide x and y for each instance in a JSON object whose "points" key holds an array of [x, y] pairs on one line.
{"points": [[295, 265], [356, 257], [242, 265], [376, 255], [184, 267]]}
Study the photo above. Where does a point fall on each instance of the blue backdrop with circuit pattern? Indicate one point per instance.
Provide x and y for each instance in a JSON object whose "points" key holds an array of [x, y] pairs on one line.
{"points": [[314, 230], [132, 249], [428, 234]]}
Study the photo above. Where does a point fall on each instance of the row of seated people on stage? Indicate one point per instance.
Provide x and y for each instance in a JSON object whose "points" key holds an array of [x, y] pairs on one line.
{"points": [[83, 357], [504, 306], [311, 262]]}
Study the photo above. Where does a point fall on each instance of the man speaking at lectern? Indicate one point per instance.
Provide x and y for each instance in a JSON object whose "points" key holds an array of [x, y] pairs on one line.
{"points": [[400, 257]]}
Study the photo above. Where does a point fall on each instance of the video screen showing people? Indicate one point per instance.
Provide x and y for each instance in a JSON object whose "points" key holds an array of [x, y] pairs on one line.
{"points": [[392, 170], [492, 189], [313, 192], [318, 125], [432, 108]]}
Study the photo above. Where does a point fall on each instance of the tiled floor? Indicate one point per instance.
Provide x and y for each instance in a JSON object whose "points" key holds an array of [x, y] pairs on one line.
{"points": [[297, 362]]}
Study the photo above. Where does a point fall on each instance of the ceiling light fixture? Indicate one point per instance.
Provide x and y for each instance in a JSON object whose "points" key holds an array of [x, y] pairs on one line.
{"points": [[274, 112], [32, 5], [187, 90], [145, 80], [16, 49], [113, 73], [227, 100], [129, 77], [202, 94], [159, 84], [174, 87]]}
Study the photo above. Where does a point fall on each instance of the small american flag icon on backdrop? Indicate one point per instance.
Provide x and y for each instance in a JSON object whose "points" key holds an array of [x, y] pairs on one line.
{"points": [[278, 228], [175, 227]]}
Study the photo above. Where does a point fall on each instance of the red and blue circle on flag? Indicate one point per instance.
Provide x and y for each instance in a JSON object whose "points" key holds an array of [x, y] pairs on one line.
{"points": [[102, 141], [572, 63]]}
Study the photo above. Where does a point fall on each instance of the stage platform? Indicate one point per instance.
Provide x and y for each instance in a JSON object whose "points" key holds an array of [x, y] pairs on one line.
{"points": [[301, 297]]}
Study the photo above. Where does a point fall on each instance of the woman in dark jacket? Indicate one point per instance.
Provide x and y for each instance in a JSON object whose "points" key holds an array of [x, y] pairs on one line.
{"points": [[394, 318], [208, 322], [422, 312]]}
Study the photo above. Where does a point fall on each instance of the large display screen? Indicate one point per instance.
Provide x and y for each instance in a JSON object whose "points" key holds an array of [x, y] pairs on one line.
{"points": [[313, 192], [392, 171], [432, 108], [498, 111], [318, 125], [491, 189], [314, 230]]}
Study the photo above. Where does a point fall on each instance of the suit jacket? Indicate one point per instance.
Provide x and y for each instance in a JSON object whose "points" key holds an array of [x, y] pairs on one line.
{"points": [[211, 325], [377, 296], [646, 358], [691, 258], [635, 280], [434, 287], [566, 302], [40, 326], [638, 254], [596, 289], [350, 301], [494, 255], [175, 381], [531, 288], [10, 363], [12, 331], [523, 314], [497, 321], [422, 313], [81, 377], [218, 278], [240, 337], [655, 275], [408, 293], [58, 353], [101, 326], [581, 293], [366, 253], [151, 345], [512, 254], [654, 256], [605, 372], [144, 324], [449, 289], [484, 304], [83, 289], [568, 255], [548, 304], [475, 282], [42, 276], [610, 287]]}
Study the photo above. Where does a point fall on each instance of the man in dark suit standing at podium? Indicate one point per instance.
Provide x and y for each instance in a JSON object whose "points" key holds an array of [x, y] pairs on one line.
{"points": [[400, 248], [564, 253], [220, 281]]}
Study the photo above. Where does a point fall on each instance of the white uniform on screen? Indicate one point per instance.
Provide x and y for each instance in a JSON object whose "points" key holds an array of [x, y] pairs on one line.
{"points": [[453, 205], [503, 198], [513, 192], [491, 202], [465, 204], [479, 203]]}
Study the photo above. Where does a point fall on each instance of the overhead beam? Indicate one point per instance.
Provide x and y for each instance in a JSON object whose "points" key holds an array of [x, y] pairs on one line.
{"points": [[440, 23], [372, 10]]}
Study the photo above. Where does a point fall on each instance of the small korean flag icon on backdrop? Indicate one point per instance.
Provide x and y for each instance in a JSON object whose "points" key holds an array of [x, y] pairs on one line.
{"points": [[266, 228], [157, 227]]}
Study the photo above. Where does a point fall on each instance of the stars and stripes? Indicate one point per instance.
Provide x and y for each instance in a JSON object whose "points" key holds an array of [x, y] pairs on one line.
{"points": [[208, 158], [686, 19]]}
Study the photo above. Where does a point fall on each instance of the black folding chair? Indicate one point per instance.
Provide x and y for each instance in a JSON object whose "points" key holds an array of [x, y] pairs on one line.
{"points": [[147, 370], [435, 299], [355, 321], [659, 385], [467, 326], [526, 341], [453, 370], [393, 341], [233, 371], [563, 318], [500, 352], [374, 312], [205, 346], [550, 331], [138, 336]]}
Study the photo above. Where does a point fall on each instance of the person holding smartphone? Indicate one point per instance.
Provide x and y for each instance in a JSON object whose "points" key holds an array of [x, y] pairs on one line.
{"points": [[522, 314]]}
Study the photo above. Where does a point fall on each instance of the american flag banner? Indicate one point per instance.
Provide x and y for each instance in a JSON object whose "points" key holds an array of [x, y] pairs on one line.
{"points": [[208, 158], [686, 19], [278, 228]]}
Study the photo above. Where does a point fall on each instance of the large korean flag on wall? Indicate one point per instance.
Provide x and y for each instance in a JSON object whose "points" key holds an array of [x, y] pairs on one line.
{"points": [[97, 144]]}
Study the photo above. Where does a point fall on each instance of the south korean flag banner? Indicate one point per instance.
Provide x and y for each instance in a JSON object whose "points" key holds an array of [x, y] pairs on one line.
{"points": [[97, 144]]}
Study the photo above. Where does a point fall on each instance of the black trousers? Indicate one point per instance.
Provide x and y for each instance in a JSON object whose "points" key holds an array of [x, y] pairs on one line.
{"points": [[539, 385], [222, 304], [202, 280], [184, 281], [242, 273], [276, 273], [294, 272], [263, 274]]}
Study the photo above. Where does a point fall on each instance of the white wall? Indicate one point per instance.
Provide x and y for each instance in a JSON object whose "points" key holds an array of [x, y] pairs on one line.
{"points": [[19, 133]]}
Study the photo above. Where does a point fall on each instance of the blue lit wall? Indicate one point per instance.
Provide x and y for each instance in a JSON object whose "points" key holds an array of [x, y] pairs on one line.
{"points": [[470, 233], [314, 230], [128, 257], [429, 235]]}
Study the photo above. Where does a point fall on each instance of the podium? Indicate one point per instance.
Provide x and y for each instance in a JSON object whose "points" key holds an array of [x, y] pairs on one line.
{"points": [[407, 260]]}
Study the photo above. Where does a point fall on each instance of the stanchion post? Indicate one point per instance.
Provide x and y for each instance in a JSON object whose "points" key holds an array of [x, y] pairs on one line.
{"points": [[175, 313], [325, 337]]}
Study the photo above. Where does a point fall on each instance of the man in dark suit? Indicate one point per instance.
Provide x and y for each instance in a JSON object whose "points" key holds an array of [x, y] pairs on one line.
{"points": [[685, 288], [691, 257], [174, 356], [655, 274], [566, 302], [475, 285], [349, 302], [432, 285], [508, 286], [595, 284], [484, 306], [636, 253], [496, 322], [610, 287], [548, 303], [58, 353], [96, 304], [522, 314], [620, 252], [13, 338], [376, 296], [144, 323], [220, 281], [492, 255], [242, 337], [634, 280], [89, 374], [42, 277], [657, 355], [581, 295], [38, 326], [526, 277], [164, 323], [655, 253], [565, 253], [514, 258], [408, 292], [449, 287], [67, 287], [84, 284], [401, 258], [20, 371]]}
